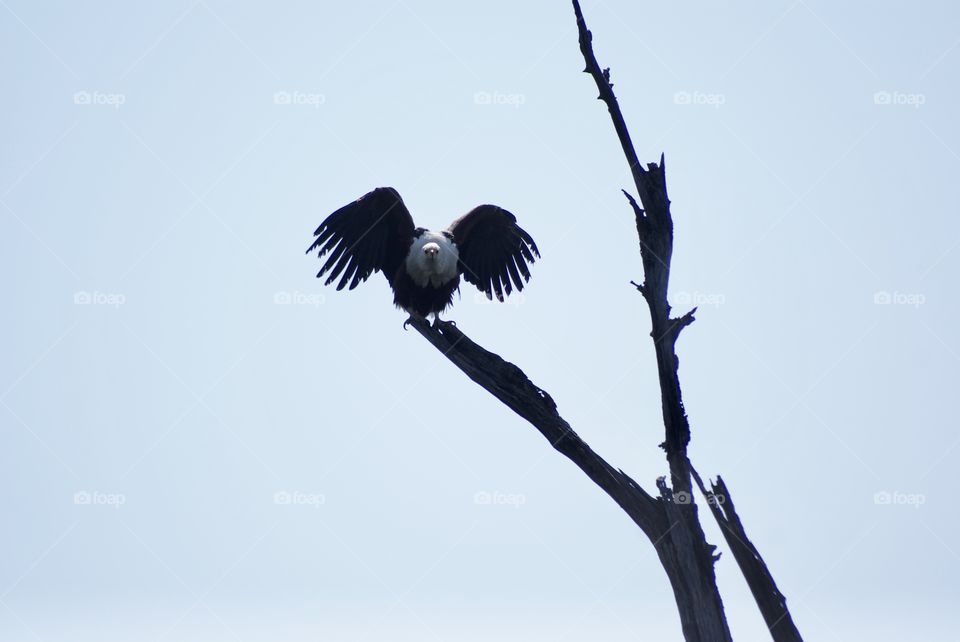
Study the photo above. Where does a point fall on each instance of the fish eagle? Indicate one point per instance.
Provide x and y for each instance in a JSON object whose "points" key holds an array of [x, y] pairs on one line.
{"points": [[376, 233]]}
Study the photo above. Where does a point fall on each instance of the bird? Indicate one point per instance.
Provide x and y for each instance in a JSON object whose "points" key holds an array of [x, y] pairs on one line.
{"points": [[376, 233]]}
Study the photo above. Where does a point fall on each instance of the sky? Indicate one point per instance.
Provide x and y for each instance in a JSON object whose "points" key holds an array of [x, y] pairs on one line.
{"points": [[201, 442]]}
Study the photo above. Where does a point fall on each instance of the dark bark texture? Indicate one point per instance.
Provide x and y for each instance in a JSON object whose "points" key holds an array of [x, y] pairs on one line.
{"points": [[772, 603]]}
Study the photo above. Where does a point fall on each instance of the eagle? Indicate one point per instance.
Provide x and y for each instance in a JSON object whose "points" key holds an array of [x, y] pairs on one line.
{"points": [[375, 233]]}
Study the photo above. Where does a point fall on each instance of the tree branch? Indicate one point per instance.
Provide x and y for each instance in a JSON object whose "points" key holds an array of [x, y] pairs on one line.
{"points": [[655, 231], [509, 384], [772, 603]]}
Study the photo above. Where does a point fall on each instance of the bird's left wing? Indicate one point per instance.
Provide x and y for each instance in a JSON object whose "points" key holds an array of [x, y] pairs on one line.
{"points": [[371, 234], [494, 250]]}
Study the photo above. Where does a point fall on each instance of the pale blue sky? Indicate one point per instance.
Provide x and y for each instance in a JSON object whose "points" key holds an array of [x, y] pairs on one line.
{"points": [[164, 165]]}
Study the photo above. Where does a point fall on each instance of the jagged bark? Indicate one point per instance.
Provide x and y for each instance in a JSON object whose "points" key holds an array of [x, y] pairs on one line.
{"points": [[772, 603]]}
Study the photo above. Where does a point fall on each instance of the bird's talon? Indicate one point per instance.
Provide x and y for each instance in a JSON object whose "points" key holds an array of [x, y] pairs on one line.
{"points": [[440, 323]]}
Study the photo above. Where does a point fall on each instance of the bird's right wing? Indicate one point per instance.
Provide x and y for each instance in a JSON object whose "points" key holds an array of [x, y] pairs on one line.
{"points": [[371, 234], [494, 251]]}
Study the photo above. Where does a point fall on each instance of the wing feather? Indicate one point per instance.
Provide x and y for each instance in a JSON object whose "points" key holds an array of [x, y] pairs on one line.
{"points": [[512, 268], [344, 258], [332, 260], [371, 234], [494, 250]]}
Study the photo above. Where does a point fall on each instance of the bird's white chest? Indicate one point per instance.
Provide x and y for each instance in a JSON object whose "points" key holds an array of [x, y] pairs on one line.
{"points": [[435, 269]]}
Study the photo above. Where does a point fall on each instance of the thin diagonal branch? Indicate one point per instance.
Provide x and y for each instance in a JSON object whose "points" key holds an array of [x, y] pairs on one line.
{"points": [[772, 603], [655, 231], [509, 384]]}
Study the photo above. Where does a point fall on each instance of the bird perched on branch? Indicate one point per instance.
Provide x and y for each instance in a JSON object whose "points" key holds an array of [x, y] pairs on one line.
{"points": [[376, 233]]}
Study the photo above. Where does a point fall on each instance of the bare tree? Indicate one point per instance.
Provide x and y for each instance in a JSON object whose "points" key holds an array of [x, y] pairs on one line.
{"points": [[669, 519]]}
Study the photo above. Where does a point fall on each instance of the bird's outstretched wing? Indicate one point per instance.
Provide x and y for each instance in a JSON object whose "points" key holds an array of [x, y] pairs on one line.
{"points": [[494, 250], [371, 234]]}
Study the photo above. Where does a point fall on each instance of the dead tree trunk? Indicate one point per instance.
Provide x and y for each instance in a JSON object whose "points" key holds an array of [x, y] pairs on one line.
{"points": [[670, 520], [655, 230]]}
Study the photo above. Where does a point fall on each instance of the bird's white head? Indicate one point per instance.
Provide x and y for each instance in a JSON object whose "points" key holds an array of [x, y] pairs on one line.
{"points": [[432, 259]]}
